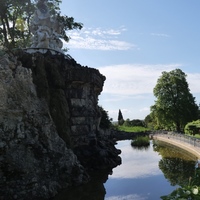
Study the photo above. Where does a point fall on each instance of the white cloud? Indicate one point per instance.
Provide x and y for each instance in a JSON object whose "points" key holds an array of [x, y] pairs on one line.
{"points": [[98, 39], [160, 35], [127, 197], [193, 81], [133, 79], [145, 109], [141, 166]]}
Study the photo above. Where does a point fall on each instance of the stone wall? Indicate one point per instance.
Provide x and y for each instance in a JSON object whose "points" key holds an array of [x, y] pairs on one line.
{"points": [[71, 91], [34, 161], [49, 125]]}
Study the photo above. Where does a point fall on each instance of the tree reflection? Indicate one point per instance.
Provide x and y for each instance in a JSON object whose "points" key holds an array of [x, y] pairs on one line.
{"points": [[141, 148], [177, 165], [176, 170]]}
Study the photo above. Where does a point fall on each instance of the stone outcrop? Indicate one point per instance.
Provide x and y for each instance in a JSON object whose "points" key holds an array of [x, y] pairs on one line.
{"points": [[34, 160], [49, 125]]}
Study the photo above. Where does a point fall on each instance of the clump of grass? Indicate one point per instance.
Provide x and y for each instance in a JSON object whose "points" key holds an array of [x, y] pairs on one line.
{"points": [[141, 141]]}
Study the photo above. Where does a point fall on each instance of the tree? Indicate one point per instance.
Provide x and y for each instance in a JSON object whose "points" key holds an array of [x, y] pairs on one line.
{"points": [[127, 122], [120, 118], [148, 121], [105, 122], [15, 18], [175, 105]]}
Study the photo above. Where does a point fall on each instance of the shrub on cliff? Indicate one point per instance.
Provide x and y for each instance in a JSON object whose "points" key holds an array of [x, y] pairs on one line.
{"points": [[105, 122]]}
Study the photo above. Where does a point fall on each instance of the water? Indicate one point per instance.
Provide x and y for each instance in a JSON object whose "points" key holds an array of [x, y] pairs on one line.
{"points": [[145, 174], [140, 176]]}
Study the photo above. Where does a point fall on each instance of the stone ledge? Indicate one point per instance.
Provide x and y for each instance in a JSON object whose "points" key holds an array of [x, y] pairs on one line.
{"points": [[194, 150]]}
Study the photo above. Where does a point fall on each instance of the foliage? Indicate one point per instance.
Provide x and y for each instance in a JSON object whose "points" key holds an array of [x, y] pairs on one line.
{"points": [[149, 122], [120, 118], [132, 129], [175, 105], [15, 19], [192, 127], [187, 192], [134, 122], [105, 122], [141, 141], [69, 24]]}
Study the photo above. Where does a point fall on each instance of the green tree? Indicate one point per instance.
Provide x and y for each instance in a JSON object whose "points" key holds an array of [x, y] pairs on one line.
{"points": [[15, 18], [105, 122], [120, 118], [127, 122], [175, 105], [148, 122]]}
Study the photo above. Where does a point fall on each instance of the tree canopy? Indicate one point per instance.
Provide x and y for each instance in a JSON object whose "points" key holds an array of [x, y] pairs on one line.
{"points": [[175, 105], [134, 122], [15, 18]]}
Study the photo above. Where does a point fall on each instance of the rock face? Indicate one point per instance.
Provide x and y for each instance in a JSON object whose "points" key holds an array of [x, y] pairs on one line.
{"points": [[49, 125], [34, 160]]}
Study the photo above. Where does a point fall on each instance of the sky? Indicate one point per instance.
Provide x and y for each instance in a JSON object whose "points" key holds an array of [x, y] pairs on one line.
{"points": [[131, 43]]}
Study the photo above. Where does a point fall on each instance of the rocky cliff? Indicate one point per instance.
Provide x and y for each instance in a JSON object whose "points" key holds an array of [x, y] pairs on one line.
{"points": [[49, 125]]}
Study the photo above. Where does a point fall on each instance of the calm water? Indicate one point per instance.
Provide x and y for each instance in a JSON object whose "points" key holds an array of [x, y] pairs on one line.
{"points": [[145, 174], [140, 176]]}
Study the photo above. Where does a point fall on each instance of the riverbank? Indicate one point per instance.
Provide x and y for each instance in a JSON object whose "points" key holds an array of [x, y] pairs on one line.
{"points": [[183, 145]]}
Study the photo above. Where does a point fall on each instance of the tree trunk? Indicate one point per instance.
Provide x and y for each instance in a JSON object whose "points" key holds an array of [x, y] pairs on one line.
{"points": [[178, 127]]}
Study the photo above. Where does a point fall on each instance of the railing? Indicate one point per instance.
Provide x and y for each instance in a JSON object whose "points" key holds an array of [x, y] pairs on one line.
{"points": [[179, 137]]}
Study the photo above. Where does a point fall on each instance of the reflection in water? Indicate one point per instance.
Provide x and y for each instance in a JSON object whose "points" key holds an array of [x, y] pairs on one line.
{"points": [[94, 190], [141, 148], [136, 163], [140, 177], [177, 165]]}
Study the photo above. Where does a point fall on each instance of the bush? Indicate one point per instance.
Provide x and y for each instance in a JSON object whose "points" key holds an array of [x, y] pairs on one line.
{"points": [[192, 127], [134, 122], [105, 122], [141, 141]]}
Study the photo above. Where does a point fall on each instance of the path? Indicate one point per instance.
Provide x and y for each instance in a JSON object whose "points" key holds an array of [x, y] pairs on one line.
{"points": [[188, 147]]}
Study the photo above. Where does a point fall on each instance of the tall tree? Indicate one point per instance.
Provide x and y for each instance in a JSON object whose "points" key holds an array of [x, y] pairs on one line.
{"points": [[15, 17], [175, 105], [120, 118]]}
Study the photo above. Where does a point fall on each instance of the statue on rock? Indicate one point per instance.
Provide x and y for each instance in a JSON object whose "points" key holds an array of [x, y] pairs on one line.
{"points": [[46, 29]]}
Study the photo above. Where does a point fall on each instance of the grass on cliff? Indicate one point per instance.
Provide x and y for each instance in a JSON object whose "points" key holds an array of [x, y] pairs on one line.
{"points": [[132, 128], [141, 141]]}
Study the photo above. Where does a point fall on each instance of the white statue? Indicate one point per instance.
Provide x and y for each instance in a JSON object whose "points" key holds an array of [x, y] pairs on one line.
{"points": [[46, 29]]}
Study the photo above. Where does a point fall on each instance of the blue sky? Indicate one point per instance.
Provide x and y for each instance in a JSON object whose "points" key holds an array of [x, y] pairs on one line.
{"points": [[132, 42]]}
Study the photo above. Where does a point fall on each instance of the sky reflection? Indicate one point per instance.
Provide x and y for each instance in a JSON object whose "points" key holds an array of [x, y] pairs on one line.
{"points": [[144, 164], [139, 176]]}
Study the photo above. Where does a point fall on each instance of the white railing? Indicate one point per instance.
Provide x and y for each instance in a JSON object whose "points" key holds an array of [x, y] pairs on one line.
{"points": [[179, 137]]}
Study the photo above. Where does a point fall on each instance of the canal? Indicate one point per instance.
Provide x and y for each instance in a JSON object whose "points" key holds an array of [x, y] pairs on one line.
{"points": [[145, 174], [148, 173]]}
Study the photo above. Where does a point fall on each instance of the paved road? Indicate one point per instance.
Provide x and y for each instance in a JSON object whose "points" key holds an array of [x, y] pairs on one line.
{"points": [[188, 147]]}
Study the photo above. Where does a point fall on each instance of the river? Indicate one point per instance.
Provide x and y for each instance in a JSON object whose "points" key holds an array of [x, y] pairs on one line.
{"points": [[145, 174]]}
